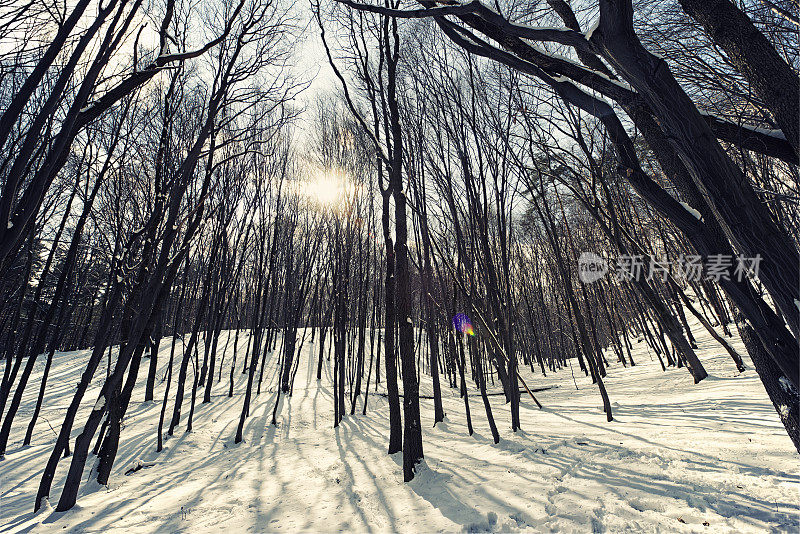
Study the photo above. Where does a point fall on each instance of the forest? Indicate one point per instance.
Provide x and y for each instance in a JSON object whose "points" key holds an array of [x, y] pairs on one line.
{"points": [[360, 265]]}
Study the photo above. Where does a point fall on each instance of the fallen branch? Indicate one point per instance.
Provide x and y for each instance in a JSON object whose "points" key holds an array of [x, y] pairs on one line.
{"points": [[137, 467], [529, 391]]}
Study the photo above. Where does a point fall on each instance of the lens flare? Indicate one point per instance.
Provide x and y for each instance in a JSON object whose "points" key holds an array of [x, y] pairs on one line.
{"points": [[463, 324]]}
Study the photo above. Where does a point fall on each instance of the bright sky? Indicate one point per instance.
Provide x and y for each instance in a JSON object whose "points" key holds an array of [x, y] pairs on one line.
{"points": [[311, 63]]}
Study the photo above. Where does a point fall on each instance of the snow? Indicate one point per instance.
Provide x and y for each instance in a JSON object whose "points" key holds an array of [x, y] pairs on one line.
{"points": [[676, 456], [691, 210], [522, 25], [769, 132], [619, 83], [592, 29], [786, 385]]}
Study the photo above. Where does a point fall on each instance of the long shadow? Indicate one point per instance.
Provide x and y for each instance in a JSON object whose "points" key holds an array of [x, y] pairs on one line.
{"points": [[441, 483], [614, 429]]}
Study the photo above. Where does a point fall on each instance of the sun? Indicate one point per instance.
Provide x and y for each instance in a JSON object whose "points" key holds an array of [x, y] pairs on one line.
{"points": [[326, 188]]}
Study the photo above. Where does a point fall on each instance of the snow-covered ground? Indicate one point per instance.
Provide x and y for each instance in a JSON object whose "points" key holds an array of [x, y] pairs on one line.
{"points": [[711, 457]]}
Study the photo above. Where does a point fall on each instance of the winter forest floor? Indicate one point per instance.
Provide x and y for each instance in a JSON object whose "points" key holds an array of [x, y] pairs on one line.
{"points": [[677, 457]]}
